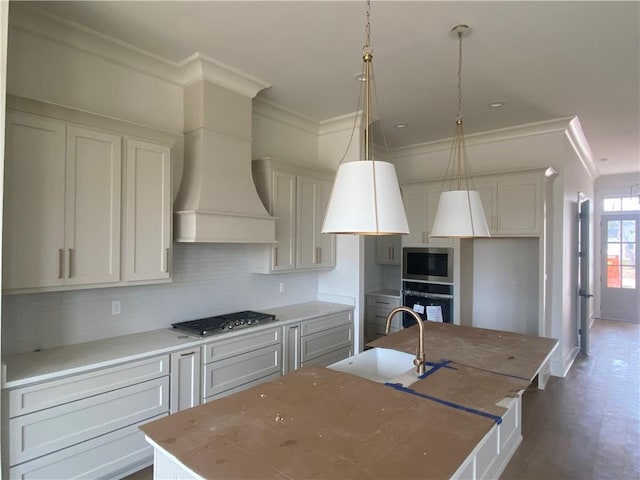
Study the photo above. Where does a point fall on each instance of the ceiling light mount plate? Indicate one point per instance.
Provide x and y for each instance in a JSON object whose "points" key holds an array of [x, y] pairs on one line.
{"points": [[461, 29]]}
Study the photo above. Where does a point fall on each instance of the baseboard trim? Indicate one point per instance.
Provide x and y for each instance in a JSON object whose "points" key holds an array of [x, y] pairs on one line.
{"points": [[561, 369]]}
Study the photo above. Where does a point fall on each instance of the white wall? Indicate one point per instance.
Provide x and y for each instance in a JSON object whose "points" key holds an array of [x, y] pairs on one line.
{"points": [[208, 279], [57, 73], [505, 284], [280, 134]]}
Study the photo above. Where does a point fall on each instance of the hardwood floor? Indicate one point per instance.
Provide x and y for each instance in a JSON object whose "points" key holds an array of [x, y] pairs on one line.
{"points": [[585, 426]]}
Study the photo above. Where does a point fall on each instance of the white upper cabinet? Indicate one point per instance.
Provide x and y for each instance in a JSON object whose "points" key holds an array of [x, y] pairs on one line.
{"points": [[519, 207], [34, 202], [315, 249], [415, 207], [92, 236], [283, 206], [62, 204], [147, 210], [298, 198], [420, 203], [388, 250], [512, 205], [74, 217]]}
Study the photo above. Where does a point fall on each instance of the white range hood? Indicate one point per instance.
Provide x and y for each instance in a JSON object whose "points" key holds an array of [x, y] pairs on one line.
{"points": [[217, 201]]}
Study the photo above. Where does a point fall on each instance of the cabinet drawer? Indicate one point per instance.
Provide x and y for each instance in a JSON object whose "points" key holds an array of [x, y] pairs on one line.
{"points": [[241, 369], [324, 323], [240, 388], [59, 427], [238, 345], [378, 316], [50, 394], [321, 343], [107, 456], [383, 302], [331, 357]]}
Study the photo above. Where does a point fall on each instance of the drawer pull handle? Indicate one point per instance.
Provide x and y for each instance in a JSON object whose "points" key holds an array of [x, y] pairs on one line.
{"points": [[70, 262], [61, 263], [187, 354], [168, 260]]}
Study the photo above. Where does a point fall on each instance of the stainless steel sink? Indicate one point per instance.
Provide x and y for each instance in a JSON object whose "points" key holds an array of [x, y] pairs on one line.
{"points": [[380, 365]]}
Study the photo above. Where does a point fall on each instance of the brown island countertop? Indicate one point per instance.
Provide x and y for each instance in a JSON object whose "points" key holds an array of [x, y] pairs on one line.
{"points": [[319, 423]]}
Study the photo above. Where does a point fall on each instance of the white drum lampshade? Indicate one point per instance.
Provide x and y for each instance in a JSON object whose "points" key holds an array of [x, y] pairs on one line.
{"points": [[366, 200], [460, 214]]}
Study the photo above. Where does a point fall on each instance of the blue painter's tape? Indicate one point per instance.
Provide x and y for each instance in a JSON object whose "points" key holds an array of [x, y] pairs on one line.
{"points": [[400, 388], [436, 366]]}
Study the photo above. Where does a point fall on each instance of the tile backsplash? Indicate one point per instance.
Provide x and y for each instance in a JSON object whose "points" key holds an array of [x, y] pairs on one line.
{"points": [[208, 279]]}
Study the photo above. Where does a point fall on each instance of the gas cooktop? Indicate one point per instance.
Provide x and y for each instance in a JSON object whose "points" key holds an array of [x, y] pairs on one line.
{"points": [[204, 327]]}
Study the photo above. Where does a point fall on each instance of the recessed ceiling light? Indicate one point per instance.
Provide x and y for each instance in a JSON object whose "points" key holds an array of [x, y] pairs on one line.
{"points": [[401, 125], [497, 104]]}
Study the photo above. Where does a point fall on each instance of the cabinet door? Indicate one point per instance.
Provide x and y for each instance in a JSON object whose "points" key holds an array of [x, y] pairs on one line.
{"points": [[92, 227], [284, 208], [185, 380], [291, 348], [488, 195], [147, 235], [415, 202], [520, 207], [34, 200], [388, 249], [314, 250]]}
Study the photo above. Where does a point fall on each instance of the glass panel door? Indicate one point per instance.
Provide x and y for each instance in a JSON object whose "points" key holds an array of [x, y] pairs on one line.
{"points": [[620, 294]]}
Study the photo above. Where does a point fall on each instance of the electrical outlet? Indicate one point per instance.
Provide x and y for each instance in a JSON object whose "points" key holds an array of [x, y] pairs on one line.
{"points": [[115, 307], [281, 287]]}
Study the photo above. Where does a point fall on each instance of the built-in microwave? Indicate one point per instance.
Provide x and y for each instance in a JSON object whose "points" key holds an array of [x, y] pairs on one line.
{"points": [[427, 264]]}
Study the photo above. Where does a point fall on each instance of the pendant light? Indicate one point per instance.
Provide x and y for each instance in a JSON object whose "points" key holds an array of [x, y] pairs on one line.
{"points": [[366, 198], [460, 212]]}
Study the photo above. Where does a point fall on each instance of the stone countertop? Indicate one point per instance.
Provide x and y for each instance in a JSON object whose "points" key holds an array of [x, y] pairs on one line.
{"points": [[25, 368], [319, 423], [385, 292]]}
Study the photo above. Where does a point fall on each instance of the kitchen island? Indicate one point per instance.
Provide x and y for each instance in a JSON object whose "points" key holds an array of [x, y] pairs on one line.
{"points": [[454, 422]]}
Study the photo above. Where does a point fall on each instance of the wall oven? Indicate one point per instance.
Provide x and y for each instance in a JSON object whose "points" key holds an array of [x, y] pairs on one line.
{"points": [[427, 264], [420, 296]]}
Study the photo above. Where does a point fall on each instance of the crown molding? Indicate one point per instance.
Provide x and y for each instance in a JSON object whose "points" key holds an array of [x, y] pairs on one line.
{"points": [[341, 123], [581, 146], [273, 111], [193, 68], [557, 125], [201, 67]]}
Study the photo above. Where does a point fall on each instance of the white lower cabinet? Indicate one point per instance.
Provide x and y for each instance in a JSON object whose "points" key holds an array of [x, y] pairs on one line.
{"points": [[491, 456], [318, 341], [241, 362], [378, 308], [85, 427], [118, 453], [185, 379]]}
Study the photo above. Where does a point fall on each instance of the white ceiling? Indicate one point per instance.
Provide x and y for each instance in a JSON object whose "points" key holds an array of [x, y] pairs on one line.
{"points": [[544, 59]]}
